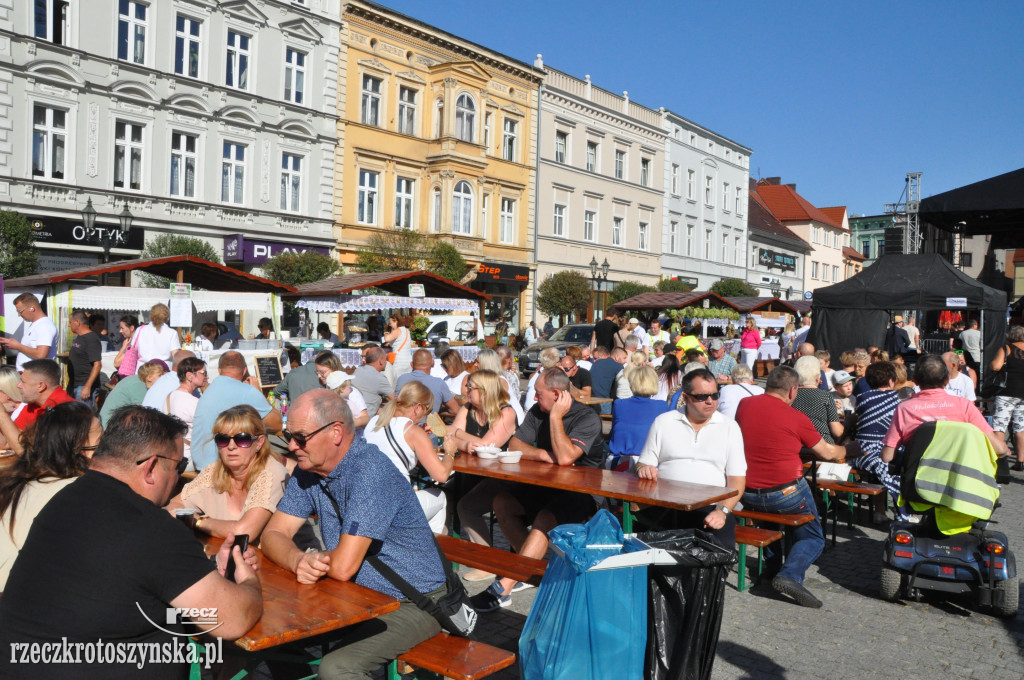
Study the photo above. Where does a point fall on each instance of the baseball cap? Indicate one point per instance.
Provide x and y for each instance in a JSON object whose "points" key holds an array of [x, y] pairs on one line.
{"points": [[841, 378], [716, 344], [634, 320], [336, 379]]}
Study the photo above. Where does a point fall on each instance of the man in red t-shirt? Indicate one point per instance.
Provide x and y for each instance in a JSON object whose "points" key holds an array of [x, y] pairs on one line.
{"points": [[773, 434], [40, 388]]}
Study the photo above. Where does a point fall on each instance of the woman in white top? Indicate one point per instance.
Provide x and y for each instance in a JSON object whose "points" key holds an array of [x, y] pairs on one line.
{"points": [[341, 382], [489, 360], [548, 358], [206, 340], [182, 402], [511, 377], [622, 390], [453, 365], [157, 340], [397, 433], [670, 377], [57, 450], [401, 345]]}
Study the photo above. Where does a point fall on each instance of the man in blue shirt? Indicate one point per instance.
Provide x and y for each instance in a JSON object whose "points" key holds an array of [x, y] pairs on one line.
{"points": [[422, 362], [362, 500], [602, 375], [233, 387]]}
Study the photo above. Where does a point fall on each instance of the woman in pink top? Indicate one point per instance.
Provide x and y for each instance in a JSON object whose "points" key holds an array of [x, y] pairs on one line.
{"points": [[750, 342]]}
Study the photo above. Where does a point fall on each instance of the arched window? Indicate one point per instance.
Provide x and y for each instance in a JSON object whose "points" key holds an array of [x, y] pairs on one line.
{"points": [[462, 209], [465, 116]]}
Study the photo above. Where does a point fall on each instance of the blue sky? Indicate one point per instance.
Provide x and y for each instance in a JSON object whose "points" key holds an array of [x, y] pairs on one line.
{"points": [[841, 98]]}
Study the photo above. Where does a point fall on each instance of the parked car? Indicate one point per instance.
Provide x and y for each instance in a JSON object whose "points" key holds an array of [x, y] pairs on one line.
{"points": [[570, 334], [454, 328]]}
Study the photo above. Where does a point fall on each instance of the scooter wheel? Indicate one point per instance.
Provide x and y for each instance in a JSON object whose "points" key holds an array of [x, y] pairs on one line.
{"points": [[891, 583], [1010, 588]]}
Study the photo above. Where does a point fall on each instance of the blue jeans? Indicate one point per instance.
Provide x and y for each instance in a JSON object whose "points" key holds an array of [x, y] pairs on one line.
{"points": [[78, 395], [606, 408], [807, 540]]}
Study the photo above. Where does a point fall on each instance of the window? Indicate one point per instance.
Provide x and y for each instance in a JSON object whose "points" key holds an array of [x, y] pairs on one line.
{"points": [[707, 245], [617, 231], [693, 139], [645, 171], [291, 181], [462, 209], [465, 117], [865, 249], [404, 197], [232, 174], [725, 247], [558, 223], [51, 21], [966, 260], [367, 197], [371, 101], [406, 110], [561, 141], [711, 147], [236, 73], [131, 31], [294, 75], [689, 240], [815, 234], [835, 273], [186, 47], [506, 229], [508, 143], [620, 164], [49, 141], [691, 185], [673, 237], [438, 117], [485, 201], [814, 270], [725, 196], [880, 248], [435, 222], [739, 201], [128, 155], [592, 156], [642, 241], [835, 239], [183, 165], [737, 252], [589, 230], [709, 190], [488, 121], [675, 179]]}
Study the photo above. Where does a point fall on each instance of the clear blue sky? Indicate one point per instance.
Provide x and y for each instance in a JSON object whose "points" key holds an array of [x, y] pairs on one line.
{"points": [[841, 98]]}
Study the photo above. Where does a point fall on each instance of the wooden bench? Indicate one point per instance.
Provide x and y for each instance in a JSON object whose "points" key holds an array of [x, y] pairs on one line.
{"points": [[494, 560], [455, 657], [852, 489], [778, 519], [746, 535]]}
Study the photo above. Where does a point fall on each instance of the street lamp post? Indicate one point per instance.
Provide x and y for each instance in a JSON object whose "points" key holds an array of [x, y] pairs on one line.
{"points": [[125, 219], [776, 288], [596, 278]]}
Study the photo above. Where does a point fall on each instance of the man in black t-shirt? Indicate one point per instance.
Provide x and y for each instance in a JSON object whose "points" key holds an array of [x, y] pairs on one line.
{"points": [[605, 330], [580, 384], [103, 562], [557, 430], [85, 357]]}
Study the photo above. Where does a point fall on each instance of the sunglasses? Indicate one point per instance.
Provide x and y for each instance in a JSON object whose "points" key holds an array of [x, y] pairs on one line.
{"points": [[179, 465], [704, 397], [243, 440], [303, 439]]}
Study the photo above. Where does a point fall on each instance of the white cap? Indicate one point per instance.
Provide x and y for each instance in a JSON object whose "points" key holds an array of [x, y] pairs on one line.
{"points": [[336, 379]]}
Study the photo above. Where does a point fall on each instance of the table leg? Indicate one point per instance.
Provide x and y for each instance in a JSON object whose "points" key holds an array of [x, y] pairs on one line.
{"points": [[627, 518]]}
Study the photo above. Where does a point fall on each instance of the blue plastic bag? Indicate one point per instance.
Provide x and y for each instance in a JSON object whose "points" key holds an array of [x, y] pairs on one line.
{"points": [[586, 625]]}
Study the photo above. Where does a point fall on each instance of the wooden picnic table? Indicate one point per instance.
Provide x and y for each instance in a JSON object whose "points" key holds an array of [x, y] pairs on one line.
{"points": [[624, 486], [294, 611], [592, 401]]}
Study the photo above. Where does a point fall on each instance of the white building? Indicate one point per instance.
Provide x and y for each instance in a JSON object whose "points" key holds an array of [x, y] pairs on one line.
{"points": [[210, 119], [704, 236]]}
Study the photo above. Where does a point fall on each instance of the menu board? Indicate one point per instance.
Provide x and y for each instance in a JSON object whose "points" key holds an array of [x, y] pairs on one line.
{"points": [[268, 370]]}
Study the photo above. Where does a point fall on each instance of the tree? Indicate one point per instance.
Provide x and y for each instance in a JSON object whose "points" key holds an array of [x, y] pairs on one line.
{"points": [[166, 245], [391, 251], [733, 288], [446, 261], [296, 269], [624, 290], [563, 293], [673, 286], [18, 255]]}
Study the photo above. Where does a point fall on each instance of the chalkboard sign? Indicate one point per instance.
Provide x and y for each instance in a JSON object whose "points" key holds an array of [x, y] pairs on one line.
{"points": [[268, 370]]}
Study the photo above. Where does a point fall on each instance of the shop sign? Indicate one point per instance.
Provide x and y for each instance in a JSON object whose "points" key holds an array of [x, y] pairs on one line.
{"points": [[240, 248], [956, 302], [503, 273], [774, 260], [58, 261], [72, 232]]}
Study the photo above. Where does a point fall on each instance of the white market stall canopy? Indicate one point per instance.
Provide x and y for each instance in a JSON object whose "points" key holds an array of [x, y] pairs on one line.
{"points": [[368, 303], [142, 299]]}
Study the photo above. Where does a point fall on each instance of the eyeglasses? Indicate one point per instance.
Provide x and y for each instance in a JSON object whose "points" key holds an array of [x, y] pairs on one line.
{"points": [[242, 440], [90, 448], [179, 464], [22, 310], [202, 372], [303, 439], [704, 397], [470, 386]]}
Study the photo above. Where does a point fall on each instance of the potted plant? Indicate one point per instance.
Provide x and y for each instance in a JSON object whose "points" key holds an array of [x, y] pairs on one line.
{"points": [[418, 329]]}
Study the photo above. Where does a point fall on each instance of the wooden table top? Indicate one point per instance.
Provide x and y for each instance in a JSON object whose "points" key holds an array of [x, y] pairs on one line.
{"points": [[622, 485], [294, 611], [590, 401]]}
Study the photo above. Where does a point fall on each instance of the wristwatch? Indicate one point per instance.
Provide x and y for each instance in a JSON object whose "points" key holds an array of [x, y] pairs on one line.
{"points": [[724, 509]]}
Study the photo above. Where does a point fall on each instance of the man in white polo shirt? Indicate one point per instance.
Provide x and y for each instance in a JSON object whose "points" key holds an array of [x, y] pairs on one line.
{"points": [[39, 341], [698, 444]]}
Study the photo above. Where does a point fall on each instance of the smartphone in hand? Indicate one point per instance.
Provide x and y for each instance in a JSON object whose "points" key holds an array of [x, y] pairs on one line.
{"points": [[242, 541]]}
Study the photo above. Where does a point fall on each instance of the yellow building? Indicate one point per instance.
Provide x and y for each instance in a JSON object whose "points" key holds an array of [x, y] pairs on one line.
{"points": [[438, 134]]}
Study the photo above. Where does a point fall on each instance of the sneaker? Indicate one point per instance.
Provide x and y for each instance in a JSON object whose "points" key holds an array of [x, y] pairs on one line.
{"points": [[490, 599], [789, 586], [477, 575], [521, 585]]}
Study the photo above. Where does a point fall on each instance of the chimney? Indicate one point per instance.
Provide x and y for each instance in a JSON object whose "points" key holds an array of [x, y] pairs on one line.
{"points": [[774, 181], [792, 186]]}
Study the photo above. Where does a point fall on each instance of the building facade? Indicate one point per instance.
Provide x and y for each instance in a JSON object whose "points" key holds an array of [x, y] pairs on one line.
{"points": [[868, 235], [438, 135], [826, 236], [777, 256], [600, 184], [207, 119], [704, 233]]}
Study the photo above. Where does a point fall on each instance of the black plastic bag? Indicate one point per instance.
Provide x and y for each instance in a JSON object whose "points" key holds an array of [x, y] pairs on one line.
{"points": [[684, 611]]}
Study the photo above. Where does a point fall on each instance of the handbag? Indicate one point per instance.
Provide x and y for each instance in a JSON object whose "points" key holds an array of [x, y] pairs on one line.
{"points": [[995, 381], [130, 360], [452, 610], [393, 355]]}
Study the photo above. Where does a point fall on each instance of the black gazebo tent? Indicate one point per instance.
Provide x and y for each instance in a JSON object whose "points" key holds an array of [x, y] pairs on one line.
{"points": [[991, 206], [856, 312]]}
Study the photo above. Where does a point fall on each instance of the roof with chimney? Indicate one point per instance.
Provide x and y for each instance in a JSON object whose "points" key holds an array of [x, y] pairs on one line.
{"points": [[789, 206], [760, 218]]}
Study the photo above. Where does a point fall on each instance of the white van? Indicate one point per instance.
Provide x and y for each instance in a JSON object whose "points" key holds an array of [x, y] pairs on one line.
{"points": [[454, 328]]}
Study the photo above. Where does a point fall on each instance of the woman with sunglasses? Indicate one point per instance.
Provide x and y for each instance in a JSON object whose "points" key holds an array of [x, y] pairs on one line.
{"points": [[57, 450], [487, 417], [489, 360], [182, 402], [397, 432], [238, 492]]}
